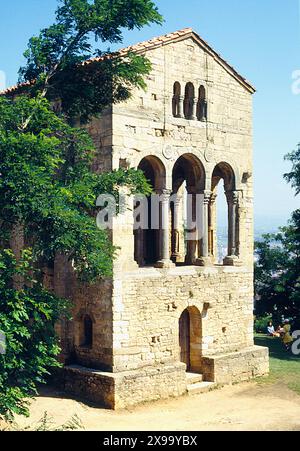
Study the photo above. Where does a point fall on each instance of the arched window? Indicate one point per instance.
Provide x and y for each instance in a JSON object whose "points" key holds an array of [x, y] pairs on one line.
{"points": [[87, 339], [188, 180], [224, 222], [189, 99], [202, 105], [147, 231], [176, 99]]}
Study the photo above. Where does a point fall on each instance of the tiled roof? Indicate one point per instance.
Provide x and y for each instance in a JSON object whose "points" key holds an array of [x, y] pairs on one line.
{"points": [[143, 47]]}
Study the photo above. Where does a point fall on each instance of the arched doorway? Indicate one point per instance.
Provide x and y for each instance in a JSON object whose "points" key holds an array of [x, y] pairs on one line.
{"points": [[190, 339]]}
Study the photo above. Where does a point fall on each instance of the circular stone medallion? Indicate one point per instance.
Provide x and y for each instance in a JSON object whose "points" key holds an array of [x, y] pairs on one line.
{"points": [[168, 152], [208, 155]]}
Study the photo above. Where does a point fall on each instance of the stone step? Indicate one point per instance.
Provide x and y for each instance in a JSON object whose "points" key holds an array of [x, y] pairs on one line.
{"points": [[194, 378], [200, 387]]}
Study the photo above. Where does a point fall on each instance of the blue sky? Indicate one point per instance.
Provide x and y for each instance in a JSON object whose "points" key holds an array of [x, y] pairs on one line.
{"points": [[261, 38]]}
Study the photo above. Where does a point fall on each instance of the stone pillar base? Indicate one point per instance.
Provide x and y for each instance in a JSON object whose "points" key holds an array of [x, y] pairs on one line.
{"points": [[203, 261], [164, 264], [232, 260]]}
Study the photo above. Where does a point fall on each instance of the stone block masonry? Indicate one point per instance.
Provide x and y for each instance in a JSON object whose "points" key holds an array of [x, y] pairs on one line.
{"points": [[171, 307]]}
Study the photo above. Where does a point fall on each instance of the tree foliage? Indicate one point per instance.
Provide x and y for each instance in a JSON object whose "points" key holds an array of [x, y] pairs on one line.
{"points": [[293, 176], [47, 187], [277, 271], [56, 57], [27, 318]]}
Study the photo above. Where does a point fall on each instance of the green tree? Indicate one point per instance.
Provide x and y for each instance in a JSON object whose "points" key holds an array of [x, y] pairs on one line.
{"points": [[277, 271], [293, 176], [47, 187], [27, 319], [57, 57]]}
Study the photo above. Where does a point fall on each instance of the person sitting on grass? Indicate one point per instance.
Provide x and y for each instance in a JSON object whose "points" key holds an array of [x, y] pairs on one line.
{"points": [[271, 330]]}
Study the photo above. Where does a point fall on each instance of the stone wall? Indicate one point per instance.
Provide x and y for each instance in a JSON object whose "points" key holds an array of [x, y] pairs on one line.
{"points": [[122, 390], [236, 367], [129, 388], [94, 300], [146, 324]]}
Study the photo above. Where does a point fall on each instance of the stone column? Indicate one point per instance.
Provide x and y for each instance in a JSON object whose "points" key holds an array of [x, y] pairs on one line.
{"points": [[165, 261], [191, 243], [232, 200], [175, 231], [204, 260], [181, 106], [203, 110], [194, 103], [211, 230]]}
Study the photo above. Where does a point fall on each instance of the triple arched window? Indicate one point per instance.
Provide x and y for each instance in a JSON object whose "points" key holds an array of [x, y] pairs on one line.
{"points": [[191, 105]]}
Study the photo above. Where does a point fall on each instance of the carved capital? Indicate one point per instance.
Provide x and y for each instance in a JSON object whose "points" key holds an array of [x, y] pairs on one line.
{"points": [[165, 195], [207, 196], [232, 197]]}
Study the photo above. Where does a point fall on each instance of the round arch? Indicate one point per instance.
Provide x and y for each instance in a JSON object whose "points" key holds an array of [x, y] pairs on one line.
{"points": [[229, 227], [202, 104], [177, 88], [224, 171], [188, 180], [154, 171], [231, 164], [189, 168], [189, 96], [176, 99], [148, 233]]}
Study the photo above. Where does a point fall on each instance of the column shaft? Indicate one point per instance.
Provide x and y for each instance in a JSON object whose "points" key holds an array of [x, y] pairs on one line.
{"points": [[165, 232], [205, 258], [232, 199], [194, 109], [180, 106], [175, 231]]}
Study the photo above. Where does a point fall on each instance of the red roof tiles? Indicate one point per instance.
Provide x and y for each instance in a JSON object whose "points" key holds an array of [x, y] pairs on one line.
{"points": [[143, 47]]}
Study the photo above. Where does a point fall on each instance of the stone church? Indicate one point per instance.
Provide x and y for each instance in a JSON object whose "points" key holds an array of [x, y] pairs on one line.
{"points": [[173, 319]]}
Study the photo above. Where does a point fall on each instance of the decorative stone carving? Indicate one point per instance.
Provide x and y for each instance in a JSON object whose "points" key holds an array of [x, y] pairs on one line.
{"points": [[208, 154], [169, 153]]}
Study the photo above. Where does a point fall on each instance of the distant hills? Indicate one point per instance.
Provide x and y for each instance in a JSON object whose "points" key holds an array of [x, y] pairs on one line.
{"points": [[262, 225]]}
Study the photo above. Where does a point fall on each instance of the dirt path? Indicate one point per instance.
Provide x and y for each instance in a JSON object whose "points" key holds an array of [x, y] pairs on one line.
{"points": [[242, 407]]}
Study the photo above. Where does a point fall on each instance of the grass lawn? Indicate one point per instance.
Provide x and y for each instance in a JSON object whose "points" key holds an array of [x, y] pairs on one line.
{"points": [[284, 366]]}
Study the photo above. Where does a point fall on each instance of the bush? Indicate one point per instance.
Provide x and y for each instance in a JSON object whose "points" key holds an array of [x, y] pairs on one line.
{"points": [[27, 320], [261, 324]]}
